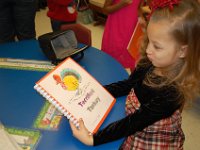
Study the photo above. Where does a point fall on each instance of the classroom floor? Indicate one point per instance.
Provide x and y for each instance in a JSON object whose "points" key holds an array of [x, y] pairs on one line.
{"points": [[191, 116]]}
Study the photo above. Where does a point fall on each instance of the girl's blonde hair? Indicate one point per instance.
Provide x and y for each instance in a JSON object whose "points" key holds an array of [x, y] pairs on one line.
{"points": [[185, 18]]}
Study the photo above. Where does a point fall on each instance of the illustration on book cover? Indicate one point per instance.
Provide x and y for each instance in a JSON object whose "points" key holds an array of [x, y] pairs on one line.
{"points": [[70, 80]]}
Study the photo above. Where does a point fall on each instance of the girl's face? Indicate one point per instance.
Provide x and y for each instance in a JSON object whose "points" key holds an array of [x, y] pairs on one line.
{"points": [[162, 50]]}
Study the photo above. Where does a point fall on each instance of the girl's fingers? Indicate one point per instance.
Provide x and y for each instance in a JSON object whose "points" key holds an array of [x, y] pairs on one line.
{"points": [[73, 127], [81, 124]]}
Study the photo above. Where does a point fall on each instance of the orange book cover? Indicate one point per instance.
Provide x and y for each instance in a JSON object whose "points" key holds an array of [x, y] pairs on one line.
{"points": [[76, 94], [134, 43]]}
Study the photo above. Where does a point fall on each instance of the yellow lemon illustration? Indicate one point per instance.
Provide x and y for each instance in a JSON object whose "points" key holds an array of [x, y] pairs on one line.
{"points": [[71, 82]]}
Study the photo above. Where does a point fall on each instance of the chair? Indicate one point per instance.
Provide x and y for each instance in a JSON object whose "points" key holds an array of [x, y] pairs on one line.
{"points": [[82, 33]]}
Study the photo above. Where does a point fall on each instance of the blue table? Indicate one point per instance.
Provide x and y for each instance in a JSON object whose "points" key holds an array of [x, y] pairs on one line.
{"points": [[20, 103]]}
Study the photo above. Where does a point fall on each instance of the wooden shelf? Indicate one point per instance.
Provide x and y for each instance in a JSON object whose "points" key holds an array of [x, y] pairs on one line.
{"points": [[99, 15]]}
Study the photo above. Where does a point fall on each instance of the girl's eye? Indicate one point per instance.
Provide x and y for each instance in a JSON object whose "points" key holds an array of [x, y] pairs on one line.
{"points": [[157, 47]]}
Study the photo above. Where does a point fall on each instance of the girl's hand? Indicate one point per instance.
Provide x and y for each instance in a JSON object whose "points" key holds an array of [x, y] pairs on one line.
{"points": [[110, 7], [126, 2], [81, 133]]}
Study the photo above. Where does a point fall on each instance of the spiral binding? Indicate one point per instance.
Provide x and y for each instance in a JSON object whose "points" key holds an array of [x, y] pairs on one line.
{"points": [[57, 105]]}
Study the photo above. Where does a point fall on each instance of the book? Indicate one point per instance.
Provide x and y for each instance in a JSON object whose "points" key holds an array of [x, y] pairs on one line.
{"points": [[49, 118], [76, 94], [18, 139], [26, 139], [135, 41], [24, 64], [6, 140]]}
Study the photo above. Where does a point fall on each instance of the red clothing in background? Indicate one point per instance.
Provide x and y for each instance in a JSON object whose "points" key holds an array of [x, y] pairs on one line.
{"points": [[62, 10]]}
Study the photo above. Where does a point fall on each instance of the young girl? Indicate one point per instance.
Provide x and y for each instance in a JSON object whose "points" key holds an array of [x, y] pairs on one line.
{"points": [[167, 76], [120, 24]]}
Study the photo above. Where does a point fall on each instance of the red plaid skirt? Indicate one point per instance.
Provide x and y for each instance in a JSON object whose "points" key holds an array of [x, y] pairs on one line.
{"points": [[165, 134]]}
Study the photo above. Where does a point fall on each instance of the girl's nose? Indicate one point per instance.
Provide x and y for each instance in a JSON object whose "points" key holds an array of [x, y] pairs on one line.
{"points": [[148, 50]]}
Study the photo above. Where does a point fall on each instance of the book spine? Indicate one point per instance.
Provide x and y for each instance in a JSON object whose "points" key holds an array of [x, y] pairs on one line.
{"points": [[56, 104]]}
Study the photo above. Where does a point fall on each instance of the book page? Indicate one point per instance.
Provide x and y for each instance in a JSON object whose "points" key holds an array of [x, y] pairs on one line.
{"points": [[78, 92]]}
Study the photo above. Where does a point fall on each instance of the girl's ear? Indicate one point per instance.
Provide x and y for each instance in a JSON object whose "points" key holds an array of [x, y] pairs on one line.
{"points": [[183, 51]]}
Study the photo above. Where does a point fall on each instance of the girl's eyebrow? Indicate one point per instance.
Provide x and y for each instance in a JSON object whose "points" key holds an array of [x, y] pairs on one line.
{"points": [[155, 42]]}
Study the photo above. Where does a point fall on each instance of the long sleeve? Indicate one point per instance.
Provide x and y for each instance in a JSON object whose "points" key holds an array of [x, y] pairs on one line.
{"points": [[159, 107], [122, 88]]}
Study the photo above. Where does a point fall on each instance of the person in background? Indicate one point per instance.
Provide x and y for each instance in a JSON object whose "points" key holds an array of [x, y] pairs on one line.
{"points": [[165, 79], [61, 12], [41, 4], [17, 19], [120, 24]]}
